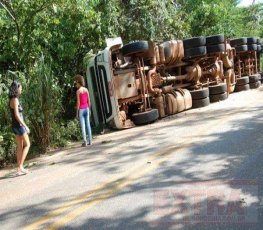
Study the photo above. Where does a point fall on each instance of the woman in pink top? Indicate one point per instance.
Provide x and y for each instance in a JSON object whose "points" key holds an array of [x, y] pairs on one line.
{"points": [[83, 109]]}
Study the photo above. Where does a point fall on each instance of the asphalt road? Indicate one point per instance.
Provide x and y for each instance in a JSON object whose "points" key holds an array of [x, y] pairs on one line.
{"points": [[201, 169]]}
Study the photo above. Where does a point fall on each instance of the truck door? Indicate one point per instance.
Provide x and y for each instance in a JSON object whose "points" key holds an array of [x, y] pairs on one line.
{"points": [[95, 97]]}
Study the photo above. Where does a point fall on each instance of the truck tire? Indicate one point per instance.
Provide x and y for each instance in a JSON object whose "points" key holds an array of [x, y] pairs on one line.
{"points": [[253, 47], [240, 88], [215, 39], [195, 52], [217, 89], [238, 41], [241, 48], [255, 85], [253, 78], [216, 48], [199, 94], [135, 48], [194, 42], [201, 103], [242, 80], [251, 40], [261, 77], [218, 97], [145, 117]]}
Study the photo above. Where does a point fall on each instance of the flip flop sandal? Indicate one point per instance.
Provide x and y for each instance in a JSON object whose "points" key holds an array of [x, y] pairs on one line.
{"points": [[20, 173], [24, 171]]}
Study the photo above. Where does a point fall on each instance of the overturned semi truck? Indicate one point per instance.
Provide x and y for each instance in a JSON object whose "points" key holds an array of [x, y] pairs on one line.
{"points": [[142, 81]]}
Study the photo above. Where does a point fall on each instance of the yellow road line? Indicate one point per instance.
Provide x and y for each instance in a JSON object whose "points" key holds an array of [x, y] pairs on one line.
{"points": [[84, 196], [73, 214]]}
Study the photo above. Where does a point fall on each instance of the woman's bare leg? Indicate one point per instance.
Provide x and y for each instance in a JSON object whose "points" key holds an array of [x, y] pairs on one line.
{"points": [[19, 150], [26, 146]]}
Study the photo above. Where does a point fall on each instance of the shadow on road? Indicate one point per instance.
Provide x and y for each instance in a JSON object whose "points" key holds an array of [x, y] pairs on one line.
{"points": [[224, 198]]}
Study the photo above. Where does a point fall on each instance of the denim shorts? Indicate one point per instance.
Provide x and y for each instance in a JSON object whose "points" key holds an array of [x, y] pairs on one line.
{"points": [[19, 130]]}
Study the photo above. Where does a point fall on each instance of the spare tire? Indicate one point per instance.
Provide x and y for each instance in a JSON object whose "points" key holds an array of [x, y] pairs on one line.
{"points": [[193, 42], [145, 117], [215, 39], [238, 41], [195, 52], [135, 48]]}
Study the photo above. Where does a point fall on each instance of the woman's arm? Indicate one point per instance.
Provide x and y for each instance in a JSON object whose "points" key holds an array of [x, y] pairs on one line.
{"points": [[77, 105]]}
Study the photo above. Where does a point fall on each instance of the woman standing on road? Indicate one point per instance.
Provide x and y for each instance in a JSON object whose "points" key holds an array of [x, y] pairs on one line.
{"points": [[83, 109], [19, 127]]}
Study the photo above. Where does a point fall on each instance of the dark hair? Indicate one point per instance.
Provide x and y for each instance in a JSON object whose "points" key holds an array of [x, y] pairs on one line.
{"points": [[13, 90], [79, 79]]}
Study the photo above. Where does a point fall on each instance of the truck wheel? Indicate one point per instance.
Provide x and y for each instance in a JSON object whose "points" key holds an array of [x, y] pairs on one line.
{"points": [[255, 85], [199, 94], [200, 103], [193, 42], [261, 76], [253, 78], [253, 47], [252, 40], [135, 48], [242, 81], [215, 39], [145, 117], [218, 97], [241, 88], [194, 52], [217, 89], [238, 41], [215, 48], [241, 48]]}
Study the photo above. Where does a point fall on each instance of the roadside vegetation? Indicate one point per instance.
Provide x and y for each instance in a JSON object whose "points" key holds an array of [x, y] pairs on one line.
{"points": [[45, 43]]}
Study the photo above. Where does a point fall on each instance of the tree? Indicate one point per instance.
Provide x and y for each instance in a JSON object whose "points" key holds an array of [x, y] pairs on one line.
{"points": [[207, 17]]}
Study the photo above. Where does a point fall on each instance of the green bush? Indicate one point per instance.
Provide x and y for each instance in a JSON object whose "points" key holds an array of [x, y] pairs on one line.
{"points": [[65, 131], [42, 103], [7, 148]]}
